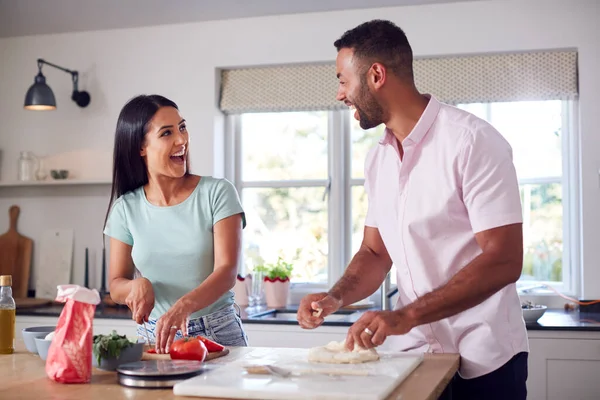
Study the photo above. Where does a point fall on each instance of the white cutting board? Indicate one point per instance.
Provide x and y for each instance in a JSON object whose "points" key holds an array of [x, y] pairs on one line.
{"points": [[56, 260], [231, 381]]}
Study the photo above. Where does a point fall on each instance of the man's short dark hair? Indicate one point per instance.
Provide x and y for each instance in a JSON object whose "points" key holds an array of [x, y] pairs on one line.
{"points": [[379, 41]]}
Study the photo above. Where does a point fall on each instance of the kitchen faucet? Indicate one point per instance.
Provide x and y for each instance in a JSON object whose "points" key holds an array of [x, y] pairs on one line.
{"points": [[387, 291]]}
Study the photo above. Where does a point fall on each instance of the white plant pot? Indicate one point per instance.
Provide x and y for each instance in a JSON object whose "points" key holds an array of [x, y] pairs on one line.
{"points": [[277, 293]]}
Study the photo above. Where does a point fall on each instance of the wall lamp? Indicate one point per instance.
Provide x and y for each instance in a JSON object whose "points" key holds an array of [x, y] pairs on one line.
{"points": [[40, 96]]}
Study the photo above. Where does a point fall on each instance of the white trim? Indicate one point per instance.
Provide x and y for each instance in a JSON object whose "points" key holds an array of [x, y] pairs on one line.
{"points": [[543, 180], [526, 212], [567, 154], [357, 181], [345, 116], [228, 149], [233, 164], [538, 288], [336, 202], [524, 181], [488, 111], [233, 148], [284, 184], [572, 245]]}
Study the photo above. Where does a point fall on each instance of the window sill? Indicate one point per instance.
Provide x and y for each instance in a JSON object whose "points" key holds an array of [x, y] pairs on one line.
{"points": [[545, 297], [536, 295], [299, 290]]}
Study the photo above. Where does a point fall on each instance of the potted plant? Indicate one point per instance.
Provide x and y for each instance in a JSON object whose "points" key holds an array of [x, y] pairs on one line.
{"points": [[277, 283]]}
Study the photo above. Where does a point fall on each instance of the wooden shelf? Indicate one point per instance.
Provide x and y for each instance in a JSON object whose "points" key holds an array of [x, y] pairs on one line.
{"points": [[55, 182]]}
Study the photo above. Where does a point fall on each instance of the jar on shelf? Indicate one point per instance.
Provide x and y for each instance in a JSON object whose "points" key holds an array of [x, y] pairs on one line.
{"points": [[28, 166]]}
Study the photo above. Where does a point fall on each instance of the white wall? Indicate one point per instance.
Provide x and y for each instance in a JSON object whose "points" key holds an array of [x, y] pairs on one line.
{"points": [[179, 61]]}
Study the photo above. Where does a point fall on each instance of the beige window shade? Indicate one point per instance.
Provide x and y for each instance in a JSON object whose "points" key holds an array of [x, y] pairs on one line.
{"points": [[470, 79]]}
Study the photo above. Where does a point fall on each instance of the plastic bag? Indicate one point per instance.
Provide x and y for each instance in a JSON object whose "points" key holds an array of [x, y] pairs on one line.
{"points": [[70, 354]]}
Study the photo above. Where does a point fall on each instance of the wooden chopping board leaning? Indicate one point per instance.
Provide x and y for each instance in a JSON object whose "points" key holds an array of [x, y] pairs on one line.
{"points": [[15, 256]]}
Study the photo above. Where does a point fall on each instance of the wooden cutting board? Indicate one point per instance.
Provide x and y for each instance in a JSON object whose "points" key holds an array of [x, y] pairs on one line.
{"points": [[56, 262], [15, 255], [209, 356]]}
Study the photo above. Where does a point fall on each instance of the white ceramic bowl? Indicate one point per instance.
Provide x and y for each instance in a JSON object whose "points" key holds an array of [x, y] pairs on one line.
{"points": [[43, 346], [533, 313], [35, 332]]}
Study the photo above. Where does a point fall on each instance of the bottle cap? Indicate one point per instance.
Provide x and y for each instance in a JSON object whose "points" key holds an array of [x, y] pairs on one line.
{"points": [[5, 280]]}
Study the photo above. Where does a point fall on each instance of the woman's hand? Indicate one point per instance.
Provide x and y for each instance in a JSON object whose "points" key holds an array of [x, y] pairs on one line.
{"points": [[140, 299], [167, 326]]}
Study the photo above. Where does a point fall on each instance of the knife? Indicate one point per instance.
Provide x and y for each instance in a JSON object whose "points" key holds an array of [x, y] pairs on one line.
{"points": [[147, 335]]}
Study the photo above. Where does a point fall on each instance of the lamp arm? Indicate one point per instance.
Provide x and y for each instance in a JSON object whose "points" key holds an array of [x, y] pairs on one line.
{"points": [[74, 74], [41, 61]]}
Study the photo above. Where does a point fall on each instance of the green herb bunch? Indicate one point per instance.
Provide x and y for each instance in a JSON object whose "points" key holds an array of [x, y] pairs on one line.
{"points": [[106, 346], [281, 269]]}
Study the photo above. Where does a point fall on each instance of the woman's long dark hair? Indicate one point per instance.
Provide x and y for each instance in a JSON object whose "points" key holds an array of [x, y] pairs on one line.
{"points": [[129, 169]]}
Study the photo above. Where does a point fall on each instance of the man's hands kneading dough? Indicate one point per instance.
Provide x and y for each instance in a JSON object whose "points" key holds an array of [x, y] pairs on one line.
{"points": [[337, 353]]}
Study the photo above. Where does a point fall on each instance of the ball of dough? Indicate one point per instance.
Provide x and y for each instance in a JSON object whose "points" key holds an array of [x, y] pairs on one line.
{"points": [[336, 353]]}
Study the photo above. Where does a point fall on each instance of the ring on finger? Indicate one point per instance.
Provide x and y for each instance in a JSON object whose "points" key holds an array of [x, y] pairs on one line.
{"points": [[368, 332], [174, 327]]}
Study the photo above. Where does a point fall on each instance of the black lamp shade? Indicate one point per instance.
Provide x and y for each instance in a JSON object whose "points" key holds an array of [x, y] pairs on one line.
{"points": [[40, 96]]}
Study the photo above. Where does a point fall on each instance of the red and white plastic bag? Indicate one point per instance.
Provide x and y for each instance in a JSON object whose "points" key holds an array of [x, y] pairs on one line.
{"points": [[70, 354]]}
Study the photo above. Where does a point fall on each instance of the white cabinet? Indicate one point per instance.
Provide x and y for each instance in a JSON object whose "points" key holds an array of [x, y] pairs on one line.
{"points": [[564, 365]]}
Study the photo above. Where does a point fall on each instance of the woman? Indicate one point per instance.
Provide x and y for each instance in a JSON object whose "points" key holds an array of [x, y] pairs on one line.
{"points": [[182, 232]]}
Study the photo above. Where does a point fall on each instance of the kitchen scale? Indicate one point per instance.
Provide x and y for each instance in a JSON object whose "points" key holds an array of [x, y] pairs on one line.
{"points": [[159, 373]]}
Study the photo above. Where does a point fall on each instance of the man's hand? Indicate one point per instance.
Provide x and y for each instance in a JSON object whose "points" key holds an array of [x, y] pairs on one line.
{"points": [[374, 327], [314, 308]]}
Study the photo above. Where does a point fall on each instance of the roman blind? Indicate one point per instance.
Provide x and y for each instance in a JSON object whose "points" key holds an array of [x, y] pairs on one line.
{"points": [[541, 75]]}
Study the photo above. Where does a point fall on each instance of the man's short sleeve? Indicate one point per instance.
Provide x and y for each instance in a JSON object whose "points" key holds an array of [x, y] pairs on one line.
{"points": [[490, 188]]}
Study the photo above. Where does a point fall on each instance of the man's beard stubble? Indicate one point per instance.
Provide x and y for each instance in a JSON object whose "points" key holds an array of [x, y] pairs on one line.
{"points": [[370, 112]]}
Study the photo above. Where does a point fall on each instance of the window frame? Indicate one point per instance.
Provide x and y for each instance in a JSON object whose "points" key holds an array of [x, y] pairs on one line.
{"points": [[338, 187], [334, 191]]}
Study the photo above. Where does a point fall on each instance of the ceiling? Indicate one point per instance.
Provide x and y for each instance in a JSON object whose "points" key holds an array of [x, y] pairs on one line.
{"points": [[35, 17]]}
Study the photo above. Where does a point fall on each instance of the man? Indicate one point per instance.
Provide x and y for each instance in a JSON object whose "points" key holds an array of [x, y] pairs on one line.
{"points": [[444, 208]]}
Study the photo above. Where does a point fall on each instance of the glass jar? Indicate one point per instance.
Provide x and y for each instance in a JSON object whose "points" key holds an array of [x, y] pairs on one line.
{"points": [[28, 165], [256, 297]]}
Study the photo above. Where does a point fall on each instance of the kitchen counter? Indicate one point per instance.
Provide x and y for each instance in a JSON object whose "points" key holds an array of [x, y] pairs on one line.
{"points": [[560, 320], [553, 319], [23, 377]]}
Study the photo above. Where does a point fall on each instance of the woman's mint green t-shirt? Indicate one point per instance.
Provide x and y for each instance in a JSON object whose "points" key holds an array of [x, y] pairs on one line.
{"points": [[173, 246]]}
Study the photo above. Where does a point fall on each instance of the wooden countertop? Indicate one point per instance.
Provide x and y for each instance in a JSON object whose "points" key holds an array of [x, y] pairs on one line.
{"points": [[23, 376]]}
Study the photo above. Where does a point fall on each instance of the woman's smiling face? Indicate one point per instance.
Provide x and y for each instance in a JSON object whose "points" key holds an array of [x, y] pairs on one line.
{"points": [[165, 147]]}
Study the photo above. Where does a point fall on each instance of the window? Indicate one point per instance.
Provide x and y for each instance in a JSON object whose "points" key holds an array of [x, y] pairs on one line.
{"points": [[283, 180], [300, 177], [542, 143]]}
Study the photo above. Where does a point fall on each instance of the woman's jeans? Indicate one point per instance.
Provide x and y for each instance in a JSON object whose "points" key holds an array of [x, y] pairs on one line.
{"points": [[222, 326]]}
